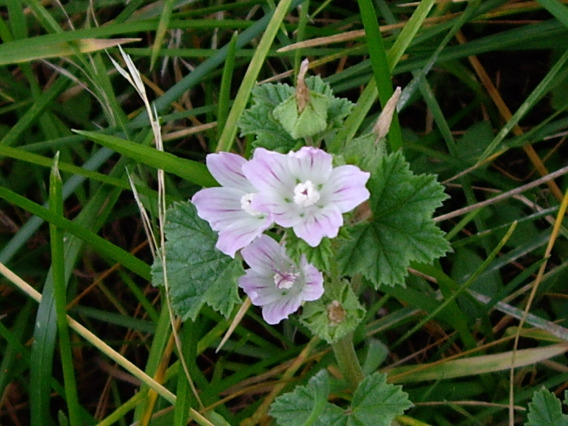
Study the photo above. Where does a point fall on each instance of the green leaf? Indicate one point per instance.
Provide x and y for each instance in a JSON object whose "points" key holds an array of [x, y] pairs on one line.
{"points": [[258, 120], [338, 108], [271, 95], [376, 402], [364, 152], [333, 316], [198, 273], [319, 256], [307, 405], [270, 135], [274, 104], [401, 230], [545, 409], [311, 121]]}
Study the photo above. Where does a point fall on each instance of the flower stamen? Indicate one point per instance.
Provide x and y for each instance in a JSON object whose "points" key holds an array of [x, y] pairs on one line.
{"points": [[306, 194], [246, 201], [285, 280]]}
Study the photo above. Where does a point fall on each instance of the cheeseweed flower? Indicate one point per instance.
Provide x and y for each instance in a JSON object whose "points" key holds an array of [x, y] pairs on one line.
{"points": [[303, 191], [275, 282], [228, 208]]}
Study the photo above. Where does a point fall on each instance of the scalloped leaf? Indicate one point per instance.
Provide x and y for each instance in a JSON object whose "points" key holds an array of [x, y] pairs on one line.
{"points": [[545, 409], [308, 405], [259, 119], [271, 135], [376, 402], [198, 273], [401, 230]]}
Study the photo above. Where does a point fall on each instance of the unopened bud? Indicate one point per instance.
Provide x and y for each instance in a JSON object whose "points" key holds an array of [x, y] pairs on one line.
{"points": [[382, 126], [302, 91]]}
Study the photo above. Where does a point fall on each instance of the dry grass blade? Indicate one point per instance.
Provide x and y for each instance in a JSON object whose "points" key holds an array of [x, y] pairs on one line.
{"points": [[504, 195]]}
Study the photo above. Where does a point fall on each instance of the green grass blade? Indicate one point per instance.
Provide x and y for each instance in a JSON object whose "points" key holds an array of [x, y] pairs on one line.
{"points": [[43, 348], [162, 334], [48, 22], [556, 9], [28, 229], [40, 160], [381, 67], [206, 67], [249, 80], [16, 53], [556, 74], [60, 294], [448, 300], [409, 31], [34, 113], [189, 170], [225, 89], [15, 356], [103, 246], [167, 7], [367, 98]]}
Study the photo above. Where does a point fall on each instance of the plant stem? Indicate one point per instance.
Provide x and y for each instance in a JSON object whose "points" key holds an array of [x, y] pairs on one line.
{"points": [[343, 349], [348, 361]]}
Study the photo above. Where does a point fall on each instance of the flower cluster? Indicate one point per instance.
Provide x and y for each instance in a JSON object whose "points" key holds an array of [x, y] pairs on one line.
{"points": [[299, 190]]}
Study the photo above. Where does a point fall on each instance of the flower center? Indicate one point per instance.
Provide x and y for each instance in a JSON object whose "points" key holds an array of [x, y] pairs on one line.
{"points": [[306, 194], [246, 201], [285, 280]]}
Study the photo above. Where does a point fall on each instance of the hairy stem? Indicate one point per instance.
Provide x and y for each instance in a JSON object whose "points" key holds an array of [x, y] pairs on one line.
{"points": [[348, 361]]}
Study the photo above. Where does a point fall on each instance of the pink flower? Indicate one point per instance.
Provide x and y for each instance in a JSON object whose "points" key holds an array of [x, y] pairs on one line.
{"points": [[302, 190], [228, 208], [277, 283]]}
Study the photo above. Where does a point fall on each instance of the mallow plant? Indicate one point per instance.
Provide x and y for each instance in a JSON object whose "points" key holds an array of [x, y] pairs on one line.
{"points": [[303, 228]]}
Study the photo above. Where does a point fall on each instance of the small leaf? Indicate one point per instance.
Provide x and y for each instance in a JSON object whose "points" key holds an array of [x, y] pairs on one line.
{"points": [[333, 316], [364, 152], [198, 273], [260, 121], [401, 230], [545, 409], [377, 403], [309, 122], [271, 95], [319, 256], [307, 405], [270, 134]]}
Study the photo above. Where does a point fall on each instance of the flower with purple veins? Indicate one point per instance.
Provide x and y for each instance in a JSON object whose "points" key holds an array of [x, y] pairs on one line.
{"points": [[277, 283], [228, 208], [304, 191]]}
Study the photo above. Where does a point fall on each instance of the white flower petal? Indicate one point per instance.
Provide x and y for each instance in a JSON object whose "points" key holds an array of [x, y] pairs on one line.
{"points": [[325, 223], [269, 264], [259, 288], [226, 168], [310, 163], [241, 233], [276, 312], [219, 206], [263, 255], [268, 171], [346, 187]]}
